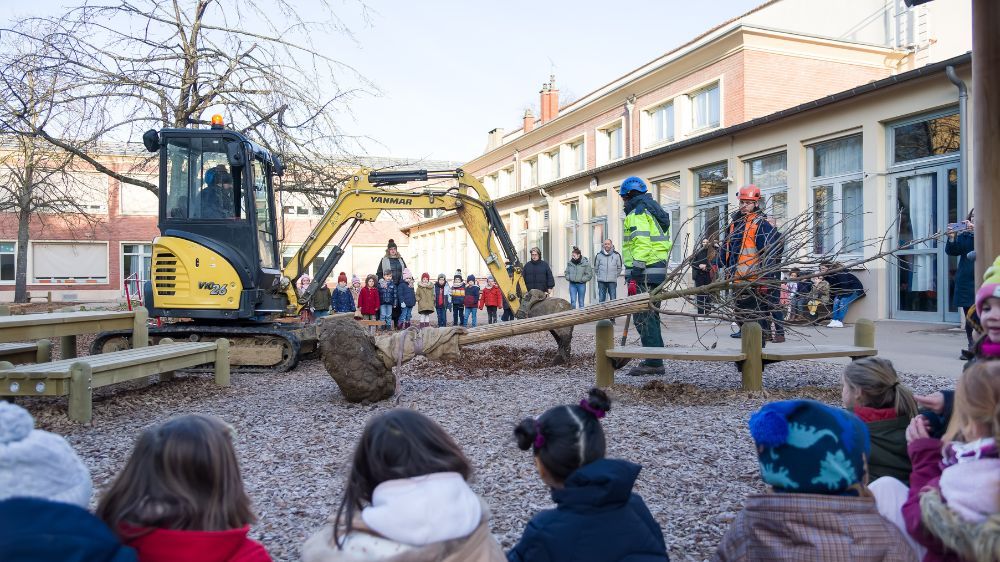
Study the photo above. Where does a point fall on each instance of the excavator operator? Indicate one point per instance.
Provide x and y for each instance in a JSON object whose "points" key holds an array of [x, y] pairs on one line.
{"points": [[216, 199]]}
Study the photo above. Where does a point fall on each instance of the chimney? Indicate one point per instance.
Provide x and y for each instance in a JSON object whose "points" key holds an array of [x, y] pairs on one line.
{"points": [[553, 98], [494, 139], [529, 120], [544, 104]]}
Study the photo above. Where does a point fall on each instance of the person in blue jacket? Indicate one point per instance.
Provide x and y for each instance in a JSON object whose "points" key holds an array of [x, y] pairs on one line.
{"points": [[597, 515], [44, 493]]}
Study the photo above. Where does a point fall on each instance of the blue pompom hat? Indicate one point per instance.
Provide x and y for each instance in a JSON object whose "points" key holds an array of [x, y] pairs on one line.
{"points": [[807, 447]]}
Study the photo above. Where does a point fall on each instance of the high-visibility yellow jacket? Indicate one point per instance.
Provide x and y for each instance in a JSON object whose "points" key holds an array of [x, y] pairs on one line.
{"points": [[645, 243]]}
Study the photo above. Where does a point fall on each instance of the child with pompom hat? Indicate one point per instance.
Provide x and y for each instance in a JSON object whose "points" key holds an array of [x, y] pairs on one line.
{"points": [[44, 494], [343, 300], [814, 458], [407, 299]]}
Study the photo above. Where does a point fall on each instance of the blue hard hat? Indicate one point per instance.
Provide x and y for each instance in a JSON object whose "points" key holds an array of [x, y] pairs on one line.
{"points": [[632, 183]]}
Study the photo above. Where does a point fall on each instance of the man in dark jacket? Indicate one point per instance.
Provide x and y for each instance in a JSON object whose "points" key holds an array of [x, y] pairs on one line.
{"points": [[597, 517], [962, 243], [537, 273], [845, 288], [750, 254]]}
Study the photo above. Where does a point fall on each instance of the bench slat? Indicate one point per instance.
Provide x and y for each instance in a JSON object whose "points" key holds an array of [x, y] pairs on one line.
{"points": [[114, 360], [6, 348], [682, 354], [794, 353]]}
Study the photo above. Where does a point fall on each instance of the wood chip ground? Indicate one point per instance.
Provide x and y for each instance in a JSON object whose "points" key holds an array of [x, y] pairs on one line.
{"points": [[295, 433]]}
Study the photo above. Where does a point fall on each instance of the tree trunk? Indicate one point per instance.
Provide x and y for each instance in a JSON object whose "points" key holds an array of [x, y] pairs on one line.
{"points": [[21, 262], [986, 133]]}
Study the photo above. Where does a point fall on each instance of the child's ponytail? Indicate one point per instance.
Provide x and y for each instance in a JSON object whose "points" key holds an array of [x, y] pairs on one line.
{"points": [[565, 438], [880, 387]]}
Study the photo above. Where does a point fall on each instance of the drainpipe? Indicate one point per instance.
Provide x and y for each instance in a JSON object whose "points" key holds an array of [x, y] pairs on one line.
{"points": [[962, 99]]}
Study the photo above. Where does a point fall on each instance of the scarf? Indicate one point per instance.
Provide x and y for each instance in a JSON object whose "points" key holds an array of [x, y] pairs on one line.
{"points": [[990, 348]]}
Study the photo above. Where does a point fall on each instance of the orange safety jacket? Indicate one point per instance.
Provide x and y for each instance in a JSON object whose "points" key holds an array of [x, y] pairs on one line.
{"points": [[744, 256]]}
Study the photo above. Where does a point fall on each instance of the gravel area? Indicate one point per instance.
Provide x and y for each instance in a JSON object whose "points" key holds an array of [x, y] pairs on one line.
{"points": [[295, 433]]}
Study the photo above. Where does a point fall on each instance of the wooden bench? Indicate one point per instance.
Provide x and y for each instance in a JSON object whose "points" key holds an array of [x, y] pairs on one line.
{"points": [[67, 325], [78, 377], [750, 360], [31, 352]]}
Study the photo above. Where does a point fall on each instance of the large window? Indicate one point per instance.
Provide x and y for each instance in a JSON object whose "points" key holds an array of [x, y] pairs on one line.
{"points": [[837, 196], [572, 226], [69, 262], [135, 200], [705, 108], [926, 138], [615, 142], [578, 156], [668, 194], [770, 174], [136, 260], [265, 222], [8, 257], [200, 183], [531, 172], [555, 170], [661, 119], [711, 191]]}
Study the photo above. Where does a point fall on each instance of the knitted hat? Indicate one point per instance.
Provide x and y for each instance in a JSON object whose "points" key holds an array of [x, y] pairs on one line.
{"points": [[458, 274], [807, 447], [392, 244], [425, 275], [407, 274], [38, 464], [442, 276], [355, 280], [342, 278], [990, 287], [471, 278]]}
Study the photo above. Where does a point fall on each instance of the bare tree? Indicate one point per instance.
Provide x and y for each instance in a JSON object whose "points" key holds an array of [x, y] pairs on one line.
{"points": [[38, 181], [141, 64]]}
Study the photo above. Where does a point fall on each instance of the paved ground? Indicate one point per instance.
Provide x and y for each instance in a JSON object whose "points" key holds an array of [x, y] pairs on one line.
{"points": [[913, 347]]}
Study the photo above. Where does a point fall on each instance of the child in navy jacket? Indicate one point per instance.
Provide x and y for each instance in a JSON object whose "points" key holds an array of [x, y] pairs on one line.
{"points": [[387, 298], [597, 515]]}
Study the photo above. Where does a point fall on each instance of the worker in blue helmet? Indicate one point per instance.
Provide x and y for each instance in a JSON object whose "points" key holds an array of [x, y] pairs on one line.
{"points": [[645, 251], [216, 199]]}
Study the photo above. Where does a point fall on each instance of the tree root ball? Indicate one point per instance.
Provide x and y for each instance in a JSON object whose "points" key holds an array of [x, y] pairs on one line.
{"points": [[350, 356]]}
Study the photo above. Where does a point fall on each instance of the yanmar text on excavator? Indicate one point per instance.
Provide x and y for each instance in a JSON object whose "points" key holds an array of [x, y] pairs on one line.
{"points": [[216, 269]]}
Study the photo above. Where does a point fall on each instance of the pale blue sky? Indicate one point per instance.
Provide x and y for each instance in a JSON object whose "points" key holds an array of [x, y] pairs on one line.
{"points": [[449, 71]]}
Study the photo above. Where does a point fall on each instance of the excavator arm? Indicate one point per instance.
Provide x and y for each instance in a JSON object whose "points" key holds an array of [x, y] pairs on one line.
{"points": [[364, 197]]}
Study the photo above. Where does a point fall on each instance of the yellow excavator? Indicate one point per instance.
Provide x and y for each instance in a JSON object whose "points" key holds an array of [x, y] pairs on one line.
{"points": [[215, 266]]}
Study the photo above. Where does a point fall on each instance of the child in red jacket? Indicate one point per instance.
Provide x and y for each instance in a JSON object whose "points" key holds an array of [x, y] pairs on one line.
{"points": [[369, 299], [181, 497], [492, 299]]}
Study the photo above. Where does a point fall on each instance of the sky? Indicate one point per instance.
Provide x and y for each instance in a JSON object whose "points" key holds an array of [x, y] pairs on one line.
{"points": [[449, 71]]}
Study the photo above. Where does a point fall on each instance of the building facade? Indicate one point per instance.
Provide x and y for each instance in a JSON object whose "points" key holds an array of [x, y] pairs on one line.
{"points": [[841, 111]]}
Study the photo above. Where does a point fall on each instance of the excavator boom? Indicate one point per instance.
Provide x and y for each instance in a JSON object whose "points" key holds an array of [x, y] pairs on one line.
{"points": [[364, 197]]}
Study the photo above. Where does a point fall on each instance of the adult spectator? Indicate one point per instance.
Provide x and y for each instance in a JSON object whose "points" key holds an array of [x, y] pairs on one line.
{"points": [[645, 252], [701, 272], [962, 244], [608, 265], [845, 288], [578, 273], [537, 273], [750, 254], [393, 262]]}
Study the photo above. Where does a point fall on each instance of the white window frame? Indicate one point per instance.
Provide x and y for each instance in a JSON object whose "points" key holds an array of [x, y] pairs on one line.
{"points": [[891, 139], [836, 183], [770, 192], [579, 162], [14, 280], [505, 181], [530, 172], [689, 97], [647, 125], [571, 225], [550, 168], [702, 203], [673, 209], [603, 141]]}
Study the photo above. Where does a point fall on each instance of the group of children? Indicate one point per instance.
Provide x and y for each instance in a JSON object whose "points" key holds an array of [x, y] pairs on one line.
{"points": [[378, 297]]}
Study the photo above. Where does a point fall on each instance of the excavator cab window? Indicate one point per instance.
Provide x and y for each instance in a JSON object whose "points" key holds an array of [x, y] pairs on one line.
{"points": [[264, 211], [201, 184]]}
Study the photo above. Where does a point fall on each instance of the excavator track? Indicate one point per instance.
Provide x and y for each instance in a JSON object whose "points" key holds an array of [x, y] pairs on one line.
{"points": [[277, 346]]}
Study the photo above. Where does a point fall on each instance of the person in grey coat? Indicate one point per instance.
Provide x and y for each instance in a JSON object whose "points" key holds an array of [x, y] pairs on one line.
{"points": [[608, 265], [578, 273]]}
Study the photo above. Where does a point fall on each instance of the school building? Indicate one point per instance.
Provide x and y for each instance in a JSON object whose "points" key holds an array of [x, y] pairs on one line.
{"points": [[844, 109]]}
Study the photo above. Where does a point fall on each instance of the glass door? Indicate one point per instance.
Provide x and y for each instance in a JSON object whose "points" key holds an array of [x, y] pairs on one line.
{"points": [[926, 200]]}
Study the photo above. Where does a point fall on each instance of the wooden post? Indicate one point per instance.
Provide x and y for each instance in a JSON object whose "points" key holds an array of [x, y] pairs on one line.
{"points": [[222, 362], [140, 328], [986, 131], [751, 336], [864, 333], [67, 347], [168, 375], [4, 365], [80, 392], [43, 354], [605, 340]]}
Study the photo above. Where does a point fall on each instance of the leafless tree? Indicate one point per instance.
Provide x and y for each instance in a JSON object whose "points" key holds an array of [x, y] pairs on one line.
{"points": [[142, 64], [37, 180]]}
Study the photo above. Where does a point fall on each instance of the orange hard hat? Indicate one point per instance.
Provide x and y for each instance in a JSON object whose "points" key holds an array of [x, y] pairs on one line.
{"points": [[749, 193]]}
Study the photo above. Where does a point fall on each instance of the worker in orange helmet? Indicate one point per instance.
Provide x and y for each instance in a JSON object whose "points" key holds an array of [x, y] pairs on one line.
{"points": [[751, 253]]}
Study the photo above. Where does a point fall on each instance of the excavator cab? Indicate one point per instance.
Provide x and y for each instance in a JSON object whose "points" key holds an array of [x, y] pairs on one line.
{"points": [[217, 253]]}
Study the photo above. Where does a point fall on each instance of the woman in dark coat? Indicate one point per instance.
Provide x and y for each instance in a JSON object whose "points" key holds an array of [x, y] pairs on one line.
{"points": [[963, 245], [537, 273], [701, 271]]}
